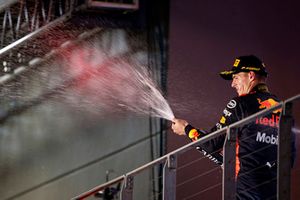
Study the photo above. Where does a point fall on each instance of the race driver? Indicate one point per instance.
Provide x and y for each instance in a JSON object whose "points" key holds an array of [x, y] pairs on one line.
{"points": [[256, 168]]}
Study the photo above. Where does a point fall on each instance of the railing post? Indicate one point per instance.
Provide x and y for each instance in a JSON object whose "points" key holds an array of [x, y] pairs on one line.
{"points": [[127, 188], [284, 154], [169, 178], [229, 155]]}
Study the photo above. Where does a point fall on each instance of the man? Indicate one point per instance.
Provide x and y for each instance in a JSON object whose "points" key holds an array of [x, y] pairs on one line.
{"points": [[256, 168]]}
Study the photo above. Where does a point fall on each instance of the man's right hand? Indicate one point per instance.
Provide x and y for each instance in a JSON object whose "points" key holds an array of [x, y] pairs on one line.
{"points": [[178, 126]]}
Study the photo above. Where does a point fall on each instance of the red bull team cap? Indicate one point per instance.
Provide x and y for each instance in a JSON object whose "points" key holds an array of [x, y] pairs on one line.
{"points": [[245, 64]]}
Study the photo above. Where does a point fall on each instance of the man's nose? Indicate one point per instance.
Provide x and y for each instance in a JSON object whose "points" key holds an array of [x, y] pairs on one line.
{"points": [[233, 83]]}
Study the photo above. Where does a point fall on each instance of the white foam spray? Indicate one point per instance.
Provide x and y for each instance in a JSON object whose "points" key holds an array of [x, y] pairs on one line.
{"points": [[112, 84]]}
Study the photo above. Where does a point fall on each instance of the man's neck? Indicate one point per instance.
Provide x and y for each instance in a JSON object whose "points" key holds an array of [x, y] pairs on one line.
{"points": [[255, 86], [261, 87]]}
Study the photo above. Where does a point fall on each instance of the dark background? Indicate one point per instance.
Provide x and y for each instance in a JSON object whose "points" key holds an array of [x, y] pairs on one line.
{"points": [[204, 38]]}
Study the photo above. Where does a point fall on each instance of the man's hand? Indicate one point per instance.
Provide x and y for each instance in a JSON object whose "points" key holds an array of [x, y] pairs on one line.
{"points": [[178, 126]]}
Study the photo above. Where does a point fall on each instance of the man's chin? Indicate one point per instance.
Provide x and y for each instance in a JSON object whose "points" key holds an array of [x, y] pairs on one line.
{"points": [[240, 93]]}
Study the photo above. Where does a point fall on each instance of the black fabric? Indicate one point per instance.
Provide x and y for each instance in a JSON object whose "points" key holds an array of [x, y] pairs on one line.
{"points": [[257, 186]]}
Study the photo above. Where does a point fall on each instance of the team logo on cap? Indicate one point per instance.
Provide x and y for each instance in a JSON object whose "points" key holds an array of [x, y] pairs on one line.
{"points": [[236, 62]]}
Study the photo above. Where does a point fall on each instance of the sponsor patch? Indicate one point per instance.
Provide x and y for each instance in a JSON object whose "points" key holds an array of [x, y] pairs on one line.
{"points": [[267, 121], [236, 62], [226, 113], [223, 120], [268, 139], [219, 126], [209, 156], [231, 104]]}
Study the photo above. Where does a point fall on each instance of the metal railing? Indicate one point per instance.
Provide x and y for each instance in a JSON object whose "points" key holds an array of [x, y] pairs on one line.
{"points": [[24, 17], [24, 20], [228, 183]]}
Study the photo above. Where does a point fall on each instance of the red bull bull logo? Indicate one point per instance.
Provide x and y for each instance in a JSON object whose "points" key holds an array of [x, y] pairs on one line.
{"points": [[194, 135], [268, 104], [272, 121]]}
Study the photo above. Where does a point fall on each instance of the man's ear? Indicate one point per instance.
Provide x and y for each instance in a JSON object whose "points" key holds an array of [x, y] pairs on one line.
{"points": [[252, 75]]}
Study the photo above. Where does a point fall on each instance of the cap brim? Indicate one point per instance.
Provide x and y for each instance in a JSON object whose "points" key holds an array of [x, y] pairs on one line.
{"points": [[227, 75]]}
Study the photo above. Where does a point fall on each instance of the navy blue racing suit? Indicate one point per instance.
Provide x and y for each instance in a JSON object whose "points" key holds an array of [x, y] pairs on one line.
{"points": [[256, 168]]}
